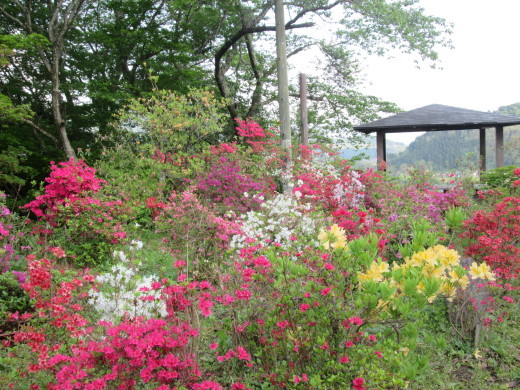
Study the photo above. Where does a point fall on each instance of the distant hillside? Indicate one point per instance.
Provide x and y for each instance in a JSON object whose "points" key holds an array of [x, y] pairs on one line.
{"points": [[447, 150], [371, 151]]}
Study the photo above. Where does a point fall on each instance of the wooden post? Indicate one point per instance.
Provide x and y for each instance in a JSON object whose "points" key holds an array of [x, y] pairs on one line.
{"points": [[482, 151], [499, 146], [303, 110], [381, 146], [283, 93]]}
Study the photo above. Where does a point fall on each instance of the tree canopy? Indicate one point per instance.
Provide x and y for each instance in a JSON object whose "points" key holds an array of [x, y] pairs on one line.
{"points": [[82, 60]]}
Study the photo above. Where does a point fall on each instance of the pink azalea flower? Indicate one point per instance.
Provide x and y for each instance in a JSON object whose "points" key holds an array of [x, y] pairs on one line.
{"points": [[358, 383], [355, 321], [325, 291]]}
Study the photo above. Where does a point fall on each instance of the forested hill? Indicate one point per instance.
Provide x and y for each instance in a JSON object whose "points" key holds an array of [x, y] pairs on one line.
{"points": [[371, 150], [447, 150]]}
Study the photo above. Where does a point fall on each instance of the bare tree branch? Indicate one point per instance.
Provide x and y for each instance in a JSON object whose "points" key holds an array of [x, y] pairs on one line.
{"points": [[257, 93], [42, 131], [13, 18], [309, 97], [220, 72], [304, 12]]}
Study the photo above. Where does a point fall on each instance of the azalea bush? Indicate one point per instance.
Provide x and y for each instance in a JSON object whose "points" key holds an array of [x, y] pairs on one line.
{"points": [[280, 220], [493, 237], [128, 165], [228, 186], [193, 233], [297, 317], [76, 214], [330, 315], [400, 206], [175, 124], [123, 292], [505, 178], [491, 234]]}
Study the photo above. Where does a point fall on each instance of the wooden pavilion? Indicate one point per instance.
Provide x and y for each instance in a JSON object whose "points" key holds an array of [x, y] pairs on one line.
{"points": [[437, 117]]}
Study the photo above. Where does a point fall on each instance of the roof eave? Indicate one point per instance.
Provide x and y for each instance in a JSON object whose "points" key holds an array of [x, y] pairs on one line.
{"points": [[430, 127]]}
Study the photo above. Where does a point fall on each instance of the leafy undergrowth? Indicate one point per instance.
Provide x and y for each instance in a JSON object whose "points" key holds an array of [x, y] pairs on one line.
{"points": [[494, 364]]}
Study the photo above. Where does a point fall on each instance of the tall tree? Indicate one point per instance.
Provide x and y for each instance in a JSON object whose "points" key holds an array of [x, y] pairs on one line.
{"points": [[245, 65], [16, 155], [124, 43], [100, 54], [54, 23]]}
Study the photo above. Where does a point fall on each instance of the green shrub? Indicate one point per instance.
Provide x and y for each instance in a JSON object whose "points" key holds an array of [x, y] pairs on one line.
{"points": [[502, 177], [12, 299]]}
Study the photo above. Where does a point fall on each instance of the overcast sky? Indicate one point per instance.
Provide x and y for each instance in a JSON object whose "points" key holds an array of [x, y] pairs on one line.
{"points": [[481, 73]]}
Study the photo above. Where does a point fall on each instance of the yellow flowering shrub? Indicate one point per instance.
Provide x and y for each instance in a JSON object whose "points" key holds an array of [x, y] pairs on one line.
{"points": [[433, 272], [333, 238]]}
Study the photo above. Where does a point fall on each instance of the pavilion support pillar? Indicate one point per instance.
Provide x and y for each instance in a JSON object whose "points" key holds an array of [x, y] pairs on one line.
{"points": [[499, 146], [482, 152], [381, 146]]}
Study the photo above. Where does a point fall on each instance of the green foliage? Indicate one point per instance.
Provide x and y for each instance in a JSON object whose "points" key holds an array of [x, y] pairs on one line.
{"points": [[149, 152], [511, 109], [127, 164], [12, 299], [11, 166], [454, 217], [11, 44], [12, 113], [502, 177], [86, 253], [175, 123], [424, 235]]}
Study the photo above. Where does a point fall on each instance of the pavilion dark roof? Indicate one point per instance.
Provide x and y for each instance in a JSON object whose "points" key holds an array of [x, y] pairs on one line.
{"points": [[437, 117]]}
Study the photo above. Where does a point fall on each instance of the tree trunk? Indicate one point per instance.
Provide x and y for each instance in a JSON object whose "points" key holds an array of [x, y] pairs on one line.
{"points": [[59, 121], [283, 94]]}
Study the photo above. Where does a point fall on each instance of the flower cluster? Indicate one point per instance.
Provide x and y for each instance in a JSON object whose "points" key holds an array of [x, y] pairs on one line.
{"points": [[516, 183], [432, 272], [69, 181], [123, 292], [249, 129], [332, 238], [493, 237], [136, 352], [75, 205], [279, 220], [329, 187], [225, 185], [260, 140]]}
